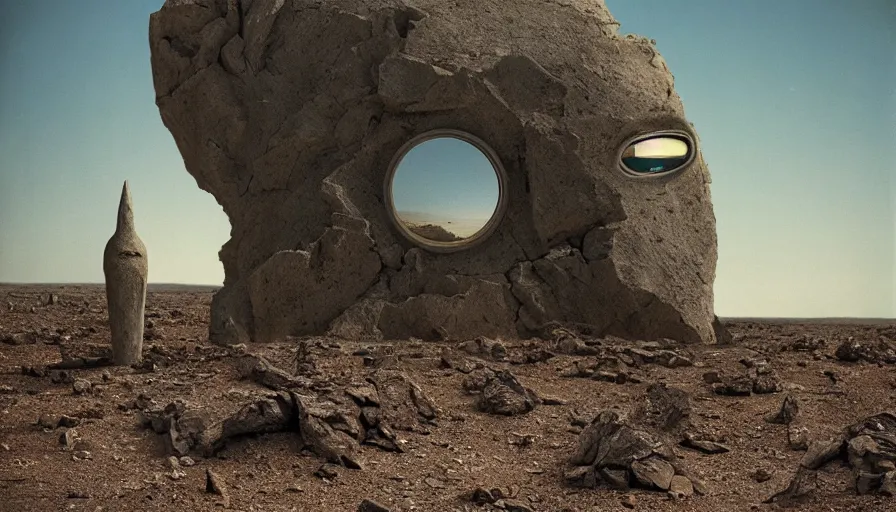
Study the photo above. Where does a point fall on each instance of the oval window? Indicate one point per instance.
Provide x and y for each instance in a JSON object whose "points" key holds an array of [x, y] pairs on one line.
{"points": [[445, 190], [657, 154]]}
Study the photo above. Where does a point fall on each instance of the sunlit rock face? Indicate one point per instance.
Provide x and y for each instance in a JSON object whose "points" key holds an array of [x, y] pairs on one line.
{"points": [[290, 111]]}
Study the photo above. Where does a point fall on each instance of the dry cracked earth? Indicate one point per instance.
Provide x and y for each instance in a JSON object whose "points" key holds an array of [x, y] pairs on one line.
{"points": [[784, 415]]}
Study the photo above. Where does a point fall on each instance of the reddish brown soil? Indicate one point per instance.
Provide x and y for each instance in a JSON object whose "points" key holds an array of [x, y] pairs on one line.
{"points": [[466, 450]]}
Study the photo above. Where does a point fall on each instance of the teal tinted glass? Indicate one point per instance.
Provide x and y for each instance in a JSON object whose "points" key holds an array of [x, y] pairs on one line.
{"points": [[445, 190], [656, 155]]}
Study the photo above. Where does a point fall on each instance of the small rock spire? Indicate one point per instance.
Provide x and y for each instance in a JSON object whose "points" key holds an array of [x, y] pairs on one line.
{"points": [[125, 211]]}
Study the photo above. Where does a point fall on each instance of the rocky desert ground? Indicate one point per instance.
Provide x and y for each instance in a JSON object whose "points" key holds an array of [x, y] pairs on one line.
{"points": [[781, 415]]}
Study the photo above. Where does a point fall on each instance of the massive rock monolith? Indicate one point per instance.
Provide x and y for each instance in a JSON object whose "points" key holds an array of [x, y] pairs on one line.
{"points": [[125, 266], [289, 112]]}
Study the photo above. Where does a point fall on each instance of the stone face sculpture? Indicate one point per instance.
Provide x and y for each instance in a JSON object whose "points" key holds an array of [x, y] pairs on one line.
{"points": [[290, 111], [125, 266]]}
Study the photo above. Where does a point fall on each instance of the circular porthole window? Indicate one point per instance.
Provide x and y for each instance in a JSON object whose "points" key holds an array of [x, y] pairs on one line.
{"points": [[657, 154], [445, 190]]}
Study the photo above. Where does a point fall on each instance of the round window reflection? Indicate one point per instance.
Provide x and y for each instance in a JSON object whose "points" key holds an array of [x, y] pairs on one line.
{"points": [[445, 190], [656, 154]]}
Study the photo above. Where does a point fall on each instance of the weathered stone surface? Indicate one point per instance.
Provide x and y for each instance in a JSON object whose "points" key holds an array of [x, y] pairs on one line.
{"points": [[611, 451], [798, 438], [879, 351], [666, 409], [868, 447], [706, 446], [332, 423], [288, 112], [790, 407], [653, 472], [404, 405], [503, 394], [125, 266]]}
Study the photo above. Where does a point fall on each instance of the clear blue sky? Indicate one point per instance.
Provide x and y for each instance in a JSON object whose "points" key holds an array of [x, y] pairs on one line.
{"points": [[793, 99], [446, 178]]}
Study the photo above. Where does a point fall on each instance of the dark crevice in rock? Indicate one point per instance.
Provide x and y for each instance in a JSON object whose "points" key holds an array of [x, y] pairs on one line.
{"points": [[404, 20], [180, 47], [241, 13]]}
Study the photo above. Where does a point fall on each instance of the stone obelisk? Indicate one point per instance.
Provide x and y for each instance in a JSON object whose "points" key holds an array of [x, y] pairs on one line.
{"points": [[125, 265]]}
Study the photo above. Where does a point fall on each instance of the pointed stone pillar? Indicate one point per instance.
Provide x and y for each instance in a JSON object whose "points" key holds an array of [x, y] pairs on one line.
{"points": [[125, 266]]}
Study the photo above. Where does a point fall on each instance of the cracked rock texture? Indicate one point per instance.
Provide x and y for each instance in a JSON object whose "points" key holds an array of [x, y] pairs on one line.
{"points": [[289, 111]]}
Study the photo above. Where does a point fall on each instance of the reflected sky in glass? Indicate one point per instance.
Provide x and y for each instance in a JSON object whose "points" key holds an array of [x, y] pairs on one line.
{"points": [[446, 182], [660, 147]]}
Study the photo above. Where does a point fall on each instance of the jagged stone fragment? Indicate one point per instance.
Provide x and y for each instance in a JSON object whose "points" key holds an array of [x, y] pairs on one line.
{"points": [[611, 451]]}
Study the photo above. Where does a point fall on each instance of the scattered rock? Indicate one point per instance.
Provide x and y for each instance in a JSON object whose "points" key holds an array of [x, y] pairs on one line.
{"points": [[869, 448], [806, 344], [552, 401], [880, 351], [81, 386], [482, 496], [476, 381], [833, 376], [511, 505], [653, 472], [371, 506], [451, 359], [666, 409], [504, 395], [565, 342], [67, 439], [82, 455], [68, 421], [820, 453], [790, 407], [612, 452], [404, 405], [484, 347], [712, 377], [327, 471], [214, 485], [702, 445], [435, 483], [761, 475], [47, 421], [681, 487], [331, 427], [733, 386], [61, 377], [804, 483], [888, 484], [766, 384], [33, 371], [261, 370], [760, 379], [630, 501], [798, 438], [20, 338]]}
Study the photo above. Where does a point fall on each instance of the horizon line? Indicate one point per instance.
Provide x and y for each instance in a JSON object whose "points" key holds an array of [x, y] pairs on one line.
{"points": [[724, 318], [102, 283]]}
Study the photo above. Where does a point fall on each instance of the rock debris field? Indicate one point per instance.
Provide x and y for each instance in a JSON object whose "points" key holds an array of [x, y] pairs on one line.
{"points": [[784, 415]]}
